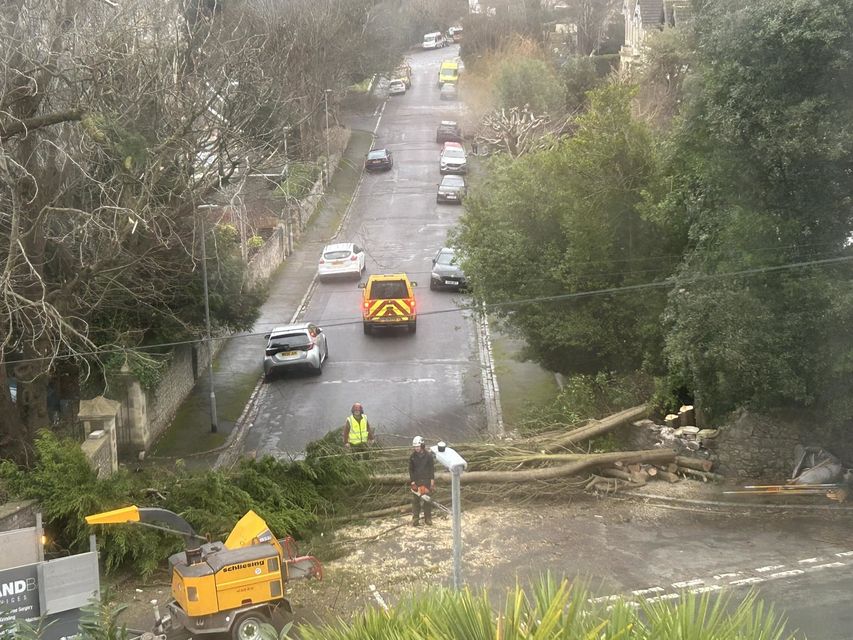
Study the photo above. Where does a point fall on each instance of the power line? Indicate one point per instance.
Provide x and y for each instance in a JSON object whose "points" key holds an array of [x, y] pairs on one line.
{"points": [[339, 322]]}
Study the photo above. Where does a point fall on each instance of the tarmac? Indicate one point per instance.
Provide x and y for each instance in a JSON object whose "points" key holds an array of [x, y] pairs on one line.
{"points": [[238, 366]]}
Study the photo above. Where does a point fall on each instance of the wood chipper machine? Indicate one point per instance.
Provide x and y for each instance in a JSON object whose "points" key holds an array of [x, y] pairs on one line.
{"points": [[223, 587]]}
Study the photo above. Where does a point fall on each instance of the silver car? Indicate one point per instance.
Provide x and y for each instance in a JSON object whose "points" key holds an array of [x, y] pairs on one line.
{"points": [[295, 346], [446, 274], [453, 160]]}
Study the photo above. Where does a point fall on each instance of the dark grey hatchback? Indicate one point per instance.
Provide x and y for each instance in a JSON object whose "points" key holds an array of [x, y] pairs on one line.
{"points": [[451, 189], [446, 274], [379, 160]]}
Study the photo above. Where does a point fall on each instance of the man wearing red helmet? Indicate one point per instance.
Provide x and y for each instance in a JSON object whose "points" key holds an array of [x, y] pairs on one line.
{"points": [[357, 432]]}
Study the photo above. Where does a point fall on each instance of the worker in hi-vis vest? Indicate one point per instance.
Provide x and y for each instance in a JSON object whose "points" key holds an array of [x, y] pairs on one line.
{"points": [[357, 432]]}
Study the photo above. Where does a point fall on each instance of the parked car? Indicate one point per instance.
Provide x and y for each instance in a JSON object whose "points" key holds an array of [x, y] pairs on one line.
{"points": [[434, 40], [397, 87], [448, 131], [453, 160], [448, 92], [451, 189], [446, 274], [379, 160], [454, 34], [295, 346], [342, 259], [404, 72]]}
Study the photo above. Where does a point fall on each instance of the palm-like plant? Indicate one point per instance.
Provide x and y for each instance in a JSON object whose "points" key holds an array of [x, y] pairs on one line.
{"points": [[556, 610]]}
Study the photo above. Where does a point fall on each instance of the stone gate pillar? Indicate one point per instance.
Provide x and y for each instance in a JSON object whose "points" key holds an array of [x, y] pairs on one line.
{"points": [[98, 417]]}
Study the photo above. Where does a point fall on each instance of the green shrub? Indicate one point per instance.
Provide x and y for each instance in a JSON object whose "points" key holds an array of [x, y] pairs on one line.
{"points": [[290, 496], [301, 177]]}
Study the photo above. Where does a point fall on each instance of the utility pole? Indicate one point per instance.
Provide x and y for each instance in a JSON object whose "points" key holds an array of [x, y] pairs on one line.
{"points": [[214, 420], [328, 151]]}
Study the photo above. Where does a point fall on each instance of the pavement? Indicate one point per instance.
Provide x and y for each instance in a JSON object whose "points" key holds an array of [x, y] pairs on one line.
{"points": [[237, 367]]}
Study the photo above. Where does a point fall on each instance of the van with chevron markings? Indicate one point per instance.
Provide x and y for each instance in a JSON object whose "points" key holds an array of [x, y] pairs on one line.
{"points": [[389, 301]]}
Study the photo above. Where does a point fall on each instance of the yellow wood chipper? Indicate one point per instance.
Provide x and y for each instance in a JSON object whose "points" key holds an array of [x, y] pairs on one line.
{"points": [[223, 587]]}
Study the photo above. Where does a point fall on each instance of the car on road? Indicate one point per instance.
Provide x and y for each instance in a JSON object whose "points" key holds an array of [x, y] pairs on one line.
{"points": [[454, 34], [341, 259], [388, 300], [448, 92], [452, 189], [446, 274], [397, 87], [434, 40], [295, 346], [453, 160], [448, 73], [379, 160], [448, 131], [404, 73]]}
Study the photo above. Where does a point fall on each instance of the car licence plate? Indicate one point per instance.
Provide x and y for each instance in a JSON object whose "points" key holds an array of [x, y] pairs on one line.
{"points": [[337, 262], [453, 282], [288, 354], [451, 196]]}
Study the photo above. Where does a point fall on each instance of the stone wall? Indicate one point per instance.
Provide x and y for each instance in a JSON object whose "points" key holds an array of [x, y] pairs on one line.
{"points": [[752, 446], [269, 257], [176, 384], [761, 446], [18, 515]]}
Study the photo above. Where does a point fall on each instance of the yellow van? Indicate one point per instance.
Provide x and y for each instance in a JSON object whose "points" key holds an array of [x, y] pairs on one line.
{"points": [[388, 300], [448, 73]]}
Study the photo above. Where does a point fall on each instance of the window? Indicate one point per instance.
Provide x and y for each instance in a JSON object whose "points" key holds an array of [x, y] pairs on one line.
{"points": [[388, 290]]}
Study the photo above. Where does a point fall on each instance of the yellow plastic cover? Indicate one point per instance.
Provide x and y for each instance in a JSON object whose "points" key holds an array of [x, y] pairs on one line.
{"points": [[116, 516], [250, 529]]}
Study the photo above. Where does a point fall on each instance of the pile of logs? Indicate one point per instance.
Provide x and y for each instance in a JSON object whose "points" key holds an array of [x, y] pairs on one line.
{"points": [[635, 475]]}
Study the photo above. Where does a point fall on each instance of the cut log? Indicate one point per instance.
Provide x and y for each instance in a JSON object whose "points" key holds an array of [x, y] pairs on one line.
{"points": [[650, 470], [615, 473], [671, 467], [669, 477], [672, 420], [597, 427], [698, 464], [591, 461], [686, 415], [704, 476], [635, 468]]}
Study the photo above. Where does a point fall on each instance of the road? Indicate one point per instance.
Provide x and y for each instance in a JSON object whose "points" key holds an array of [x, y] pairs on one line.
{"points": [[428, 383]]}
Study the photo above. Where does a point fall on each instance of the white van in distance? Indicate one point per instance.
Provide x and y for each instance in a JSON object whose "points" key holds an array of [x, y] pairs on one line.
{"points": [[434, 40]]}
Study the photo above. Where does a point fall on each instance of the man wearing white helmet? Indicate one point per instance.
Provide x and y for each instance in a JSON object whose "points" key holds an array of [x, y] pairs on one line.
{"points": [[422, 479]]}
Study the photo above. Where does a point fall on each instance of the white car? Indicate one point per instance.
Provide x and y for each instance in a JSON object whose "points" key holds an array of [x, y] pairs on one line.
{"points": [[342, 259], [434, 40], [453, 159], [397, 87]]}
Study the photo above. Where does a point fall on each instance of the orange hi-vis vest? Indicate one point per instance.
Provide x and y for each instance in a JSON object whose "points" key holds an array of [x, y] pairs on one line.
{"points": [[357, 429]]}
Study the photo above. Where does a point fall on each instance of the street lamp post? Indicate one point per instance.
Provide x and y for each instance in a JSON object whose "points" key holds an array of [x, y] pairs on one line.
{"points": [[456, 464], [328, 152], [214, 420]]}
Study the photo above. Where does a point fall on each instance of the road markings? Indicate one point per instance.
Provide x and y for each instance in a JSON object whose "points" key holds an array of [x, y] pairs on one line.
{"points": [[698, 586], [742, 581], [687, 583], [786, 574], [770, 567]]}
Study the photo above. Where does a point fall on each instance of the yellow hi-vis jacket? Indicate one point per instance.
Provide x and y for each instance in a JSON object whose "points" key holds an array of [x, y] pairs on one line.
{"points": [[357, 429]]}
